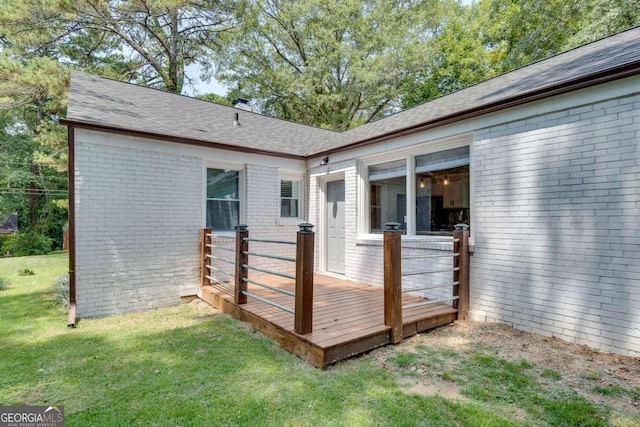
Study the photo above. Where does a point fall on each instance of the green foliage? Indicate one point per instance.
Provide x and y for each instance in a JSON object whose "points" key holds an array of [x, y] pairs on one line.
{"points": [[26, 272], [403, 359], [604, 17], [506, 385], [4, 283], [329, 64], [62, 290], [618, 390], [166, 367], [161, 37], [29, 243], [594, 375], [490, 37], [4, 242], [551, 374], [214, 97]]}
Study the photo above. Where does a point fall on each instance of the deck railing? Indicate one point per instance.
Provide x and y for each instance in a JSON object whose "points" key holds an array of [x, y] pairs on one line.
{"points": [[303, 293], [393, 274]]}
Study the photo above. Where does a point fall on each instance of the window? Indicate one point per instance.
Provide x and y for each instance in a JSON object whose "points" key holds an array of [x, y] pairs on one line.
{"points": [[223, 199], [442, 200], [441, 193], [289, 198], [442, 190], [388, 194]]}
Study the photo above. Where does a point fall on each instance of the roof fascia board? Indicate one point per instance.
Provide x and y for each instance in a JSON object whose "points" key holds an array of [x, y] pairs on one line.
{"points": [[584, 82], [175, 139]]}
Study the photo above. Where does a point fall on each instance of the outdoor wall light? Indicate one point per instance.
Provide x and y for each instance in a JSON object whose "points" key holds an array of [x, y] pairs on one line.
{"points": [[325, 161], [446, 180]]}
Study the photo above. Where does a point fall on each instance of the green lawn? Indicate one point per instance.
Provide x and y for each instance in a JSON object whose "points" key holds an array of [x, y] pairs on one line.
{"points": [[189, 366]]}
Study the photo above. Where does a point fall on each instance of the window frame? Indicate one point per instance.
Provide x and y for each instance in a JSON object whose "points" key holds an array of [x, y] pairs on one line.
{"points": [[300, 179], [297, 199], [408, 154], [240, 168]]}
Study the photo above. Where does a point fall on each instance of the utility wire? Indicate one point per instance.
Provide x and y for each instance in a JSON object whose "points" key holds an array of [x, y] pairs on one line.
{"points": [[34, 191]]}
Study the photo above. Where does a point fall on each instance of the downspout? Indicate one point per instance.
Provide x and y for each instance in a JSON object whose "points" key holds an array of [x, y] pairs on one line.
{"points": [[71, 322]]}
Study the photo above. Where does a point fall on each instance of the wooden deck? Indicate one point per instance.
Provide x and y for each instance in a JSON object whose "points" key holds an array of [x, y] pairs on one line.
{"points": [[348, 317]]}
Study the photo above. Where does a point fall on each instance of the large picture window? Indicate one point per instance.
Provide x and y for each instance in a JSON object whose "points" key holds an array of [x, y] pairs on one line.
{"points": [[442, 190], [223, 199], [388, 194], [441, 193], [442, 200]]}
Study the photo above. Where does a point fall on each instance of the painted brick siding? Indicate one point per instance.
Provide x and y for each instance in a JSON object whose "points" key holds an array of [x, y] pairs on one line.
{"points": [[557, 225], [263, 219], [138, 221], [364, 257]]}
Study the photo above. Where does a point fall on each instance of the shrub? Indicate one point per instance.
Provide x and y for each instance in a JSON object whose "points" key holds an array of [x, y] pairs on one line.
{"points": [[28, 243], [5, 240], [4, 283], [62, 290]]}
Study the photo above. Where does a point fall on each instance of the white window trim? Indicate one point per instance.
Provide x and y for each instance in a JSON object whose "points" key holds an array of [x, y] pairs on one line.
{"points": [[409, 153], [242, 188], [292, 176]]}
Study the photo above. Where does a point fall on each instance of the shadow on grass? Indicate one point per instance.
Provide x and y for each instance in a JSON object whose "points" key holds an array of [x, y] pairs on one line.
{"points": [[213, 372]]}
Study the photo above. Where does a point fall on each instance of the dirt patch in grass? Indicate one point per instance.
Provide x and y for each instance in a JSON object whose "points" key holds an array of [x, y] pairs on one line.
{"points": [[441, 362]]}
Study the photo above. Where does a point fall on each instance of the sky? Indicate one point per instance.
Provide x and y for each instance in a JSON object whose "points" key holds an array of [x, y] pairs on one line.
{"points": [[201, 87]]}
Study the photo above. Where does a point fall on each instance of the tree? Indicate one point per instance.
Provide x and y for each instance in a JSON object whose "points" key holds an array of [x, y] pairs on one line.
{"points": [[326, 63], [605, 17], [145, 41], [491, 37], [460, 57], [32, 146]]}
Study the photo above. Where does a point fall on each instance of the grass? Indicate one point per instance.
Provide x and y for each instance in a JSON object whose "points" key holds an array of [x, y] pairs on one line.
{"points": [[189, 366], [517, 390]]}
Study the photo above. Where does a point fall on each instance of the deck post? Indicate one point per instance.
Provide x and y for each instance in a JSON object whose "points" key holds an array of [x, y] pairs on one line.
{"points": [[461, 247], [204, 261], [303, 317], [393, 280], [242, 246]]}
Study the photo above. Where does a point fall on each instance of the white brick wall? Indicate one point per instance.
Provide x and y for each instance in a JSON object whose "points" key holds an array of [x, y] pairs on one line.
{"points": [[138, 220], [364, 256], [263, 219], [557, 225], [138, 225]]}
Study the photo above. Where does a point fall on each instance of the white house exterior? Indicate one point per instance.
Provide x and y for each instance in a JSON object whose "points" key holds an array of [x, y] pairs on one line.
{"points": [[543, 162]]}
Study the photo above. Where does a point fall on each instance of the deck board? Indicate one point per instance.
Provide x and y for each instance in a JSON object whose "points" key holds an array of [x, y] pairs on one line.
{"points": [[348, 317]]}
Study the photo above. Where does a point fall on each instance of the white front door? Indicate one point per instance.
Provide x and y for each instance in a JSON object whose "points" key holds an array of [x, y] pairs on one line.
{"points": [[335, 227]]}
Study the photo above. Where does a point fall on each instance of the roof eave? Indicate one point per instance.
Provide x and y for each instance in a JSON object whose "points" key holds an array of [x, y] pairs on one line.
{"points": [[584, 82], [171, 138]]}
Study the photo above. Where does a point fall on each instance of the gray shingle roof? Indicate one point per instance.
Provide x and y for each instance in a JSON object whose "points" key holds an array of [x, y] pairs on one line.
{"points": [[111, 103], [99, 101]]}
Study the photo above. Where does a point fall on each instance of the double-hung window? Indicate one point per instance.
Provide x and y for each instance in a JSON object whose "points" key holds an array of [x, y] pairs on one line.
{"points": [[289, 198], [223, 199]]}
